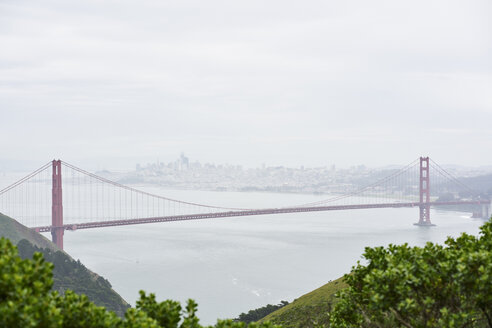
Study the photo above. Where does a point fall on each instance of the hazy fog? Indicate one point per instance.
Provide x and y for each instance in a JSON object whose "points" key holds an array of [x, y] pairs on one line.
{"points": [[111, 83]]}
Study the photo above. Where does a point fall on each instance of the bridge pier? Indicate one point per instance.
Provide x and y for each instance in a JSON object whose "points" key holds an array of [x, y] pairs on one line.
{"points": [[57, 206], [424, 190]]}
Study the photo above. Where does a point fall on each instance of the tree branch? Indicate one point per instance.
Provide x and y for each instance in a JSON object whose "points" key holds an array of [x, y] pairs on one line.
{"points": [[400, 319], [489, 320]]}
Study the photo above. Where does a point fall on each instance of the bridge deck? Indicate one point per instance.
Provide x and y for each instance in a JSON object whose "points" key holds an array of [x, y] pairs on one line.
{"points": [[283, 210]]}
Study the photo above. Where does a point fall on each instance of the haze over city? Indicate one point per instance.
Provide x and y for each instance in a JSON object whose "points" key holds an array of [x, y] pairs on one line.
{"points": [[108, 85]]}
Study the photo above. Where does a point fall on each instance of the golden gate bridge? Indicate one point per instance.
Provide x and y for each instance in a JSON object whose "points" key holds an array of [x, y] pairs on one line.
{"points": [[45, 202]]}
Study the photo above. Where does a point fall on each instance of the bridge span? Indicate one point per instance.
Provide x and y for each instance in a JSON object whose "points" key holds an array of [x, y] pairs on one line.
{"points": [[266, 211], [46, 203]]}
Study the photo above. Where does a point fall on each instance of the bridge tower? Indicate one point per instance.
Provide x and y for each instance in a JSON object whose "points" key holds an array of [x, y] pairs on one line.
{"points": [[424, 191], [57, 205]]}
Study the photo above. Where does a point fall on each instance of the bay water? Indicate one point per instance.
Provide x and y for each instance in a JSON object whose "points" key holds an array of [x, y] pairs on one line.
{"points": [[233, 265]]}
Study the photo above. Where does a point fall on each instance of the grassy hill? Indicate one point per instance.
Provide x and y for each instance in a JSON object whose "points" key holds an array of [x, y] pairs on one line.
{"points": [[309, 310], [13, 230], [68, 273]]}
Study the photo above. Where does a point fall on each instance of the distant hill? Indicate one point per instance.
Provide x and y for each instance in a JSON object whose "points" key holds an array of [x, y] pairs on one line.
{"points": [[481, 183], [68, 273], [310, 310]]}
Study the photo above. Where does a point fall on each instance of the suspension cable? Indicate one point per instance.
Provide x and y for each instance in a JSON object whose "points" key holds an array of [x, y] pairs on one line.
{"points": [[359, 191], [146, 193], [24, 179]]}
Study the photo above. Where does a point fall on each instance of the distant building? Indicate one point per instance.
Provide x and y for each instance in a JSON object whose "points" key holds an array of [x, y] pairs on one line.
{"points": [[184, 162]]}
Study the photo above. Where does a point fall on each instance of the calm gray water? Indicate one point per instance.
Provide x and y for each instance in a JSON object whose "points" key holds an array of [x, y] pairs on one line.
{"points": [[233, 265]]}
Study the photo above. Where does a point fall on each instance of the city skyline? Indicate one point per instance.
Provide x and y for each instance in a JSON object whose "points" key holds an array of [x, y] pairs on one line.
{"points": [[129, 164]]}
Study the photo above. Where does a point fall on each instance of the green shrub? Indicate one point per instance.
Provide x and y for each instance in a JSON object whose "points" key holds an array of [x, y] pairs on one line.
{"points": [[430, 286]]}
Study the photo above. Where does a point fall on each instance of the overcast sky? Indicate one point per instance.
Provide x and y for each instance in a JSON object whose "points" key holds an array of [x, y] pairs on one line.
{"points": [[312, 83]]}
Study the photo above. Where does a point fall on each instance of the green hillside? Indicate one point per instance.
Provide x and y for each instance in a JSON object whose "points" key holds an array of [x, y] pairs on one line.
{"points": [[13, 230], [309, 310], [68, 273]]}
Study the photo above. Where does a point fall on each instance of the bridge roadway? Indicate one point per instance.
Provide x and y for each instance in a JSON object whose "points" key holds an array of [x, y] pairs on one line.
{"points": [[282, 210]]}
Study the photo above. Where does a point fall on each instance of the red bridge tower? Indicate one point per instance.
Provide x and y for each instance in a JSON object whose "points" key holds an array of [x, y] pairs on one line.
{"points": [[57, 206], [424, 190]]}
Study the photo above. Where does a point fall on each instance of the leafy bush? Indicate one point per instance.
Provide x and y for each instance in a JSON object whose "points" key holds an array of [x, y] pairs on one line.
{"points": [[430, 286], [259, 313]]}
